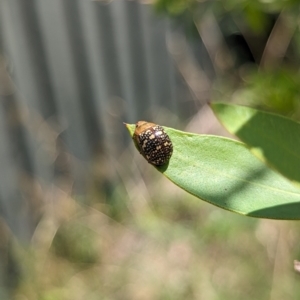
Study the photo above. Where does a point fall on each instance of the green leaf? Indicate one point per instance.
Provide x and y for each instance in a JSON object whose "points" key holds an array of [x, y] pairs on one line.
{"points": [[272, 138], [224, 172]]}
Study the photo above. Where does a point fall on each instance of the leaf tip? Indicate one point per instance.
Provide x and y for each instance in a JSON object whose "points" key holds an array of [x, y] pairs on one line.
{"points": [[130, 128]]}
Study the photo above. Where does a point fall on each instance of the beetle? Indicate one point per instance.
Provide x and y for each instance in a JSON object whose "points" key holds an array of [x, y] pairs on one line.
{"points": [[153, 143]]}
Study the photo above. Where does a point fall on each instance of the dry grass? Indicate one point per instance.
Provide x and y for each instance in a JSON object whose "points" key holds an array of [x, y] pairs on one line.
{"points": [[163, 244]]}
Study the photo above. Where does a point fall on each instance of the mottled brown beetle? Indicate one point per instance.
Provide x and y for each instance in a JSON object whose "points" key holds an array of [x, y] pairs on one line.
{"points": [[153, 143]]}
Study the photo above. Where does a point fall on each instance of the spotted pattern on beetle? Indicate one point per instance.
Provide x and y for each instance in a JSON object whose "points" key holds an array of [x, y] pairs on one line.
{"points": [[153, 143]]}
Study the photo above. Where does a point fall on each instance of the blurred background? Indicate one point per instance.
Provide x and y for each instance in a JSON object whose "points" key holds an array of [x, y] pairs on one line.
{"points": [[83, 215]]}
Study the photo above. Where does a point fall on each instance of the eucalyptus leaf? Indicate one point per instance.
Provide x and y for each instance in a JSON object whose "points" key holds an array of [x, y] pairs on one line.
{"points": [[272, 138], [224, 172]]}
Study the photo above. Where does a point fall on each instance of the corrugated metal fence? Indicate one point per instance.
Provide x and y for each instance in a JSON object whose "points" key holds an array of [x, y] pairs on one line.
{"points": [[71, 73]]}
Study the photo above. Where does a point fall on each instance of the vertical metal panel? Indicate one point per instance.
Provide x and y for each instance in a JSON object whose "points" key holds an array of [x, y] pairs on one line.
{"points": [[99, 64], [159, 65], [125, 57], [12, 206], [25, 63], [60, 58]]}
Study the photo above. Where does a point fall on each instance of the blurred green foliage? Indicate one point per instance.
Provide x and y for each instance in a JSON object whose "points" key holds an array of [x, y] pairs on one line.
{"points": [[261, 73], [276, 90], [75, 242], [253, 11]]}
